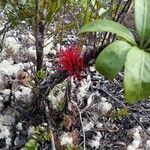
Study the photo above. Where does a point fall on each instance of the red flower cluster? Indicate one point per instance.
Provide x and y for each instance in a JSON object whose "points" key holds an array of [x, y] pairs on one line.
{"points": [[72, 61]]}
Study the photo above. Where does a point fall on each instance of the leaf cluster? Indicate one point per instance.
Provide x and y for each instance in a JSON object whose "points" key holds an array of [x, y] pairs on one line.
{"points": [[41, 134], [128, 53]]}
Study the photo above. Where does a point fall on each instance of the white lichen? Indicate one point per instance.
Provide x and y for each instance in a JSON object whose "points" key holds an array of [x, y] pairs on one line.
{"points": [[26, 91], [99, 125], [8, 68], [56, 96], [148, 144], [1, 98], [12, 44], [104, 106], [83, 89], [137, 140], [18, 94], [6, 91], [5, 134], [131, 147], [31, 131], [87, 125], [19, 126], [95, 142], [66, 139]]}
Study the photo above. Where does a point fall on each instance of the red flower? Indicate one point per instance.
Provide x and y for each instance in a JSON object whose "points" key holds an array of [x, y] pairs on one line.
{"points": [[72, 61]]}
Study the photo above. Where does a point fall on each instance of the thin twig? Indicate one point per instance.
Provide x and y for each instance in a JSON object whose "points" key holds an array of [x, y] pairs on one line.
{"points": [[140, 124], [36, 24], [121, 15], [5, 29], [109, 94], [49, 126], [80, 117]]}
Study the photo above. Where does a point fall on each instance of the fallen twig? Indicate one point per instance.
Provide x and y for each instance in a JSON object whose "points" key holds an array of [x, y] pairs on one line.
{"points": [[49, 126], [80, 117], [109, 94], [140, 124]]}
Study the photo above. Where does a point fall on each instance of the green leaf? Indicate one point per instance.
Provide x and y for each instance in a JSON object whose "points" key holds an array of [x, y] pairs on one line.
{"points": [[137, 75], [32, 144], [142, 18], [111, 60], [87, 16], [109, 26]]}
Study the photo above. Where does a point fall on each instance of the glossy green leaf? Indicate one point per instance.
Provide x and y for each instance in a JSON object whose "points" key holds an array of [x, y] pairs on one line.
{"points": [[111, 60], [109, 26], [137, 75], [142, 17]]}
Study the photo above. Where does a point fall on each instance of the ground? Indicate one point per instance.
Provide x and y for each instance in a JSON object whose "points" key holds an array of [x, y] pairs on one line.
{"points": [[60, 111]]}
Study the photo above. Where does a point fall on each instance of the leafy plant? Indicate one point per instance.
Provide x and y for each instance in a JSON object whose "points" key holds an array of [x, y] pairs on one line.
{"points": [[120, 113], [37, 15], [41, 74], [41, 134], [134, 55], [23, 10], [32, 144]]}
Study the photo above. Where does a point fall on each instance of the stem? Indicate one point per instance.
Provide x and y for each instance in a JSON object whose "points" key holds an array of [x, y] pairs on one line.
{"points": [[120, 16], [39, 36], [146, 44], [50, 126], [80, 117]]}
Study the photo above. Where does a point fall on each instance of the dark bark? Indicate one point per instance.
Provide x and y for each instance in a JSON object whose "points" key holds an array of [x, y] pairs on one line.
{"points": [[39, 37]]}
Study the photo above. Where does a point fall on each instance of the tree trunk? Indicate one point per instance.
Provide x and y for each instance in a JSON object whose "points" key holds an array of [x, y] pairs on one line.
{"points": [[39, 37]]}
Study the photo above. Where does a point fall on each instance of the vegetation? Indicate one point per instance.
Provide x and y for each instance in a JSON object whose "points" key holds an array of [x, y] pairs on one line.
{"points": [[58, 95], [123, 52]]}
